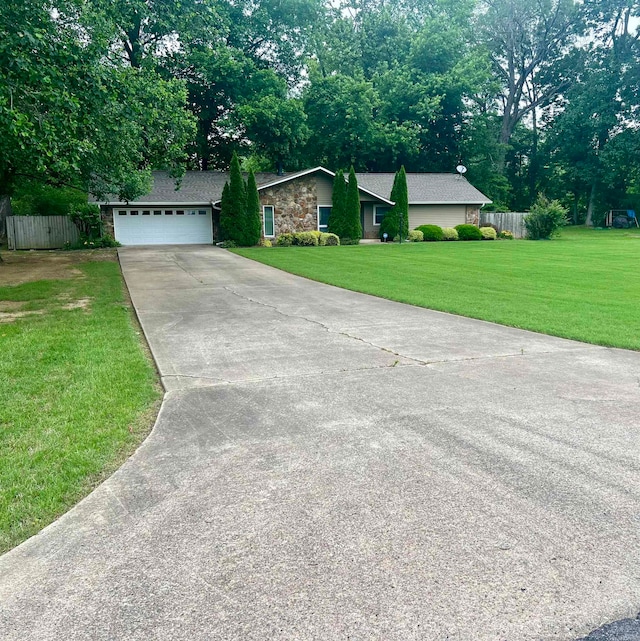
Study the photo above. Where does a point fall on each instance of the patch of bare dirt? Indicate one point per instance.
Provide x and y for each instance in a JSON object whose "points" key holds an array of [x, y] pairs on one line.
{"points": [[9, 317], [81, 303], [27, 266], [11, 305]]}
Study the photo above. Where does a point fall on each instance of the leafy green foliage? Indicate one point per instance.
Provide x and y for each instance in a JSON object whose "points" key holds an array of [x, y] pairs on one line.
{"points": [[86, 217], [352, 226], [337, 215], [32, 198], [328, 240], [225, 210], [103, 242], [415, 236], [488, 233], [284, 240], [233, 208], [431, 232], [400, 210], [253, 219], [449, 233], [545, 220], [468, 232], [306, 239], [69, 117]]}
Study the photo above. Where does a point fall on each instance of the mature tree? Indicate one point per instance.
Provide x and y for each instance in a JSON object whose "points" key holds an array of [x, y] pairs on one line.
{"points": [[253, 219], [353, 227], [410, 66], [338, 205], [340, 115], [276, 127], [242, 67], [70, 116], [533, 50], [233, 213], [593, 141]]}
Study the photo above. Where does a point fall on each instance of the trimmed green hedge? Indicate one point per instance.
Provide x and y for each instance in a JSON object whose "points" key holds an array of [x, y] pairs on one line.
{"points": [[307, 239], [468, 232], [431, 232], [488, 233]]}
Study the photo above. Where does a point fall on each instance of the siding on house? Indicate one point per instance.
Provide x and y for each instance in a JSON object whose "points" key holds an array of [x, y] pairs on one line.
{"points": [[324, 189], [369, 230], [442, 215]]}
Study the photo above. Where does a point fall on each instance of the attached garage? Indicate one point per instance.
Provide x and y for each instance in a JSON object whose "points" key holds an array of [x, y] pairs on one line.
{"points": [[141, 226]]}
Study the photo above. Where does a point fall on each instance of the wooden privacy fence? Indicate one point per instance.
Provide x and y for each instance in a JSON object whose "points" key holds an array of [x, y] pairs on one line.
{"points": [[512, 221], [40, 232]]}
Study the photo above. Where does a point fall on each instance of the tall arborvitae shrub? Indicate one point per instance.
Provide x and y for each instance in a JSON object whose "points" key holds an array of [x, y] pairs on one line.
{"points": [[352, 227], [225, 212], [390, 224], [400, 196], [233, 220], [253, 220], [338, 205], [401, 200]]}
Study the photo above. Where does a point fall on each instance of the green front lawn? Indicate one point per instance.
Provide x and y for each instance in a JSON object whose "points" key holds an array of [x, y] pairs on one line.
{"points": [[78, 393], [584, 285]]}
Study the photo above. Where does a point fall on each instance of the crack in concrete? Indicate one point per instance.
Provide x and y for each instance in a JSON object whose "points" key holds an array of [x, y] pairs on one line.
{"points": [[186, 271], [326, 328], [283, 377], [415, 360]]}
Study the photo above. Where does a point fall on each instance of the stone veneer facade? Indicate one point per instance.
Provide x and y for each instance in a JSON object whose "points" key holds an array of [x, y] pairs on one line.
{"points": [[472, 216], [295, 205], [106, 214]]}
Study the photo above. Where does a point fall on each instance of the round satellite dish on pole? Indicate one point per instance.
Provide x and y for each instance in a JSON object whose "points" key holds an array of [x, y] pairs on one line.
{"points": [[461, 169]]}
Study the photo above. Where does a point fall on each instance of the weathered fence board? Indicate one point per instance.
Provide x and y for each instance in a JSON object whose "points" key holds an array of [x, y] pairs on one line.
{"points": [[512, 221], [40, 232]]}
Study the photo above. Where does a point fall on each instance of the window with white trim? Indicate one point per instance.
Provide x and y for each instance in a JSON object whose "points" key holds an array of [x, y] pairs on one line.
{"points": [[324, 212], [268, 218], [379, 212]]}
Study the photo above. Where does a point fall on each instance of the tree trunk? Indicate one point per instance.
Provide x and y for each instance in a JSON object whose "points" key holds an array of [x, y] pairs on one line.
{"points": [[533, 163], [592, 199], [5, 210]]}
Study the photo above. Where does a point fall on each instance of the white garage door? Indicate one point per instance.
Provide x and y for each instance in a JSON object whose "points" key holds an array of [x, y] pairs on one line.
{"points": [[163, 226]]}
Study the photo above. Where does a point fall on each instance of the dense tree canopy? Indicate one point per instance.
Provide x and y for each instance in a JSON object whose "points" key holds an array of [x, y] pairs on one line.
{"points": [[69, 114], [534, 97]]}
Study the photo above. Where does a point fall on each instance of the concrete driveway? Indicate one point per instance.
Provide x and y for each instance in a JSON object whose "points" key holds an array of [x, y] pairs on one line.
{"points": [[328, 465]]}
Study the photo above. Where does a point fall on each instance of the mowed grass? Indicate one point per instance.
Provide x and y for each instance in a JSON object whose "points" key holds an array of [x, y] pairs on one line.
{"points": [[78, 394], [584, 285]]}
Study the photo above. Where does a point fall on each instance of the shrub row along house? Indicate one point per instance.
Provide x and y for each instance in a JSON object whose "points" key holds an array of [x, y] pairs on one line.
{"points": [[299, 201]]}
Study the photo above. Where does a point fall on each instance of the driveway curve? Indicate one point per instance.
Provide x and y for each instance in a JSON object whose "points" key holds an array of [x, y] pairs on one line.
{"points": [[328, 465]]}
